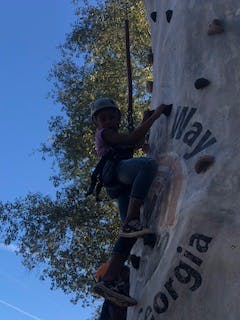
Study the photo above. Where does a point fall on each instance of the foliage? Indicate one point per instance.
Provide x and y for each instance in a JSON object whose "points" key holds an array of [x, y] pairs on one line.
{"points": [[71, 235], [61, 235]]}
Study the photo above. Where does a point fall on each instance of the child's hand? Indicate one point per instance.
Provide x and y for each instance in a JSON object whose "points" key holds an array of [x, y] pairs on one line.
{"points": [[159, 110]]}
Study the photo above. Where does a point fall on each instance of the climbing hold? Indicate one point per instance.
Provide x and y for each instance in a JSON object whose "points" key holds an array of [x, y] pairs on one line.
{"points": [[168, 110], [149, 86], [135, 260], [150, 239], [150, 57], [215, 27], [201, 83], [203, 164], [153, 15], [169, 14]]}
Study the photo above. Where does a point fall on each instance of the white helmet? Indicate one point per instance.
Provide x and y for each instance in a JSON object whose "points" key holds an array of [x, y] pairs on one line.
{"points": [[103, 103]]}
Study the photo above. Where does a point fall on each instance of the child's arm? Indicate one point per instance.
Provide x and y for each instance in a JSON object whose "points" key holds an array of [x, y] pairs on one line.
{"points": [[112, 138], [146, 115]]}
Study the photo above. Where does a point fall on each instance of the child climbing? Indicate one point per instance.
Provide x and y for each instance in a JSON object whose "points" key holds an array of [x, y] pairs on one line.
{"points": [[128, 180], [132, 176]]}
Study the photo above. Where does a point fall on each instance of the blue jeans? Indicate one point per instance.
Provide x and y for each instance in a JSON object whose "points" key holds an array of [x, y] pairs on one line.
{"points": [[136, 175]]}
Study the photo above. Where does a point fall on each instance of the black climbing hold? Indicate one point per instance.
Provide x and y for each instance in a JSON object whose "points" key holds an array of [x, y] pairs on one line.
{"points": [[169, 14], [149, 86], [203, 164], [179, 249], [215, 27], [201, 83], [150, 239], [135, 260], [150, 58], [168, 110], [153, 15]]}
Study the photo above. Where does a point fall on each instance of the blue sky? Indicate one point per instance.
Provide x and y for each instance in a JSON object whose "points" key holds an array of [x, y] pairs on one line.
{"points": [[29, 33]]}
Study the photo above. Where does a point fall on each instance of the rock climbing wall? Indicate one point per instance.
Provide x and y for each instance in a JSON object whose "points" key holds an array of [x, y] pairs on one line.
{"points": [[192, 270]]}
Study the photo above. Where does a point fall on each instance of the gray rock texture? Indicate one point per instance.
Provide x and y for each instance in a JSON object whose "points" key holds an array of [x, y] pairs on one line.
{"points": [[193, 272]]}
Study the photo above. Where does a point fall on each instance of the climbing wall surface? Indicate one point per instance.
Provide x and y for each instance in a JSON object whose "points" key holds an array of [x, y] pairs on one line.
{"points": [[193, 269]]}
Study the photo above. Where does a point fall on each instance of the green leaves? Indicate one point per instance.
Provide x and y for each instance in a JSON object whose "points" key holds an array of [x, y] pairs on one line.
{"points": [[66, 238]]}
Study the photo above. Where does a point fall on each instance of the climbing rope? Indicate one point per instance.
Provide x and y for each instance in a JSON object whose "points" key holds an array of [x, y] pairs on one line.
{"points": [[129, 72]]}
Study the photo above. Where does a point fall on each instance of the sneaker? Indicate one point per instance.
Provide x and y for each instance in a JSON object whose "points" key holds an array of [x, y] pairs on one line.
{"points": [[134, 229], [116, 292]]}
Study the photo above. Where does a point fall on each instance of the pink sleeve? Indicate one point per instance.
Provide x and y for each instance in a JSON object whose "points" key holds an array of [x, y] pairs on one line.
{"points": [[101, 145]]}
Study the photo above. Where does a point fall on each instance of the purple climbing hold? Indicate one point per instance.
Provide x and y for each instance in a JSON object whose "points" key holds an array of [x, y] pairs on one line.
{"points": [[169, 14], [201, 83], [153, 15]]}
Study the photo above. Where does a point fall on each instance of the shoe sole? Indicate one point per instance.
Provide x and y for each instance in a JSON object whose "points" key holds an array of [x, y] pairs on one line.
{"points": [[117, 298], [135, 234]]}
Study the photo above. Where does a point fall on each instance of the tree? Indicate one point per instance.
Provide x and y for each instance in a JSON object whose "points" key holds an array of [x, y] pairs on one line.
{"points": [[71, 235]]}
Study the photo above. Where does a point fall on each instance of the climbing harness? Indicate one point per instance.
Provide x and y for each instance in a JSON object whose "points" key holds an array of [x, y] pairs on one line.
{"points": [[104, 172], [96, 178]]}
